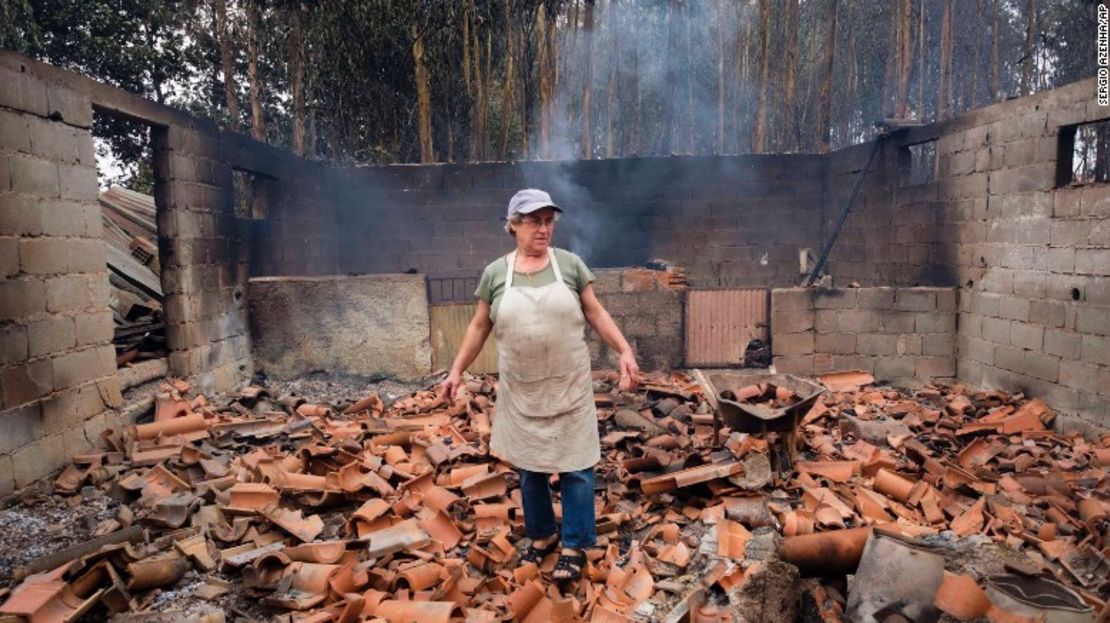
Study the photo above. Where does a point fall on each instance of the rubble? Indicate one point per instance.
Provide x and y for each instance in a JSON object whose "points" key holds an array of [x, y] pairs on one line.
{"points": [[272, 506]]}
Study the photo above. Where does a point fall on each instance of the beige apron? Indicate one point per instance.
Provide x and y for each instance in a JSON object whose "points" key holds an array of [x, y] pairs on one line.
{"points": [[545, 420]]}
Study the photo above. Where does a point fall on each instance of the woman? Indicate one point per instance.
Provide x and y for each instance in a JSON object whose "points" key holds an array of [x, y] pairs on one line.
{"points": [[537, 301]]}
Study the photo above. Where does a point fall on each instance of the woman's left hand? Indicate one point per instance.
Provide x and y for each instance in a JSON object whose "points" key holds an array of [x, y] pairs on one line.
{"points": [[630, 371]]}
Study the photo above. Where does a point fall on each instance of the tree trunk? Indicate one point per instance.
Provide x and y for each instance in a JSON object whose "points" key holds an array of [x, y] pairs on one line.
{"points": [[669, 120], [789, 122], [905, 58], [743, 69], [478, 117], [468, 8], [759, 131], [296, 71], [977, 57], [689, 83], [423, 98], [944, 80], [921, 63], [545, 87], [1028, 59], [587, 78], [720, 77], [996, 71], [487, 73], [258, 124], [506, 84], [635, 138], [890, 69], [825, 112], [849, 101], [227, 62], [611, 88]]}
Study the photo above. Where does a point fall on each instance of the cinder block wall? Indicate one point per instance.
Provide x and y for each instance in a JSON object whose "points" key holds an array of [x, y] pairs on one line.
{"points": [[57, 365], [649, 314], [896, 334], [729, 220]]}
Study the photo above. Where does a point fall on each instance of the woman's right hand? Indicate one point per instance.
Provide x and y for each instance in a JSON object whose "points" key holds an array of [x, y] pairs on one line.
{"points": [[450, 386]]}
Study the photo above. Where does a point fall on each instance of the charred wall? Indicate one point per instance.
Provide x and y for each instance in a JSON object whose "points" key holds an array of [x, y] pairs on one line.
{"points": [[729, 220]]}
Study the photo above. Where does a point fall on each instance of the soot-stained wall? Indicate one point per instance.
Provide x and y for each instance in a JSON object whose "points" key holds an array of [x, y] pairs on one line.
{"points": [[729, 220]]}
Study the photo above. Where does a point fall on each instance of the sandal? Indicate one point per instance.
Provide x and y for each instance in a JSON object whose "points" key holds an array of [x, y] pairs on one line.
{"points": [[537, 554], [569, 567]]}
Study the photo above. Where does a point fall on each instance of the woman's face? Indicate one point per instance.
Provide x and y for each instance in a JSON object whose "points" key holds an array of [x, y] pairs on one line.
{"points": [[533, 234]]}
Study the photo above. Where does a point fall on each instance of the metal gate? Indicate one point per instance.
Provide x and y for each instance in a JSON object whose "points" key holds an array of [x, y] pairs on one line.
{"points": [[449, 322], [720, 323]]}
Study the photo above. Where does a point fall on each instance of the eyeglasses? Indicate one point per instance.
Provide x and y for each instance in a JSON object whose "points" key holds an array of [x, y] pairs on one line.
{"points": [[533, 221]]}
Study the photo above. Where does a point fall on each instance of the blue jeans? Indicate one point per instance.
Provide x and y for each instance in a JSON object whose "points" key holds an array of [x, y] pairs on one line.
{"points": [[576, 489]]}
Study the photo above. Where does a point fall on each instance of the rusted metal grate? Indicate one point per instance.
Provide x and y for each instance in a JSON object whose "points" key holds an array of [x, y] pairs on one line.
{"points": [[449, 322], [720, 323], [451, 289]]}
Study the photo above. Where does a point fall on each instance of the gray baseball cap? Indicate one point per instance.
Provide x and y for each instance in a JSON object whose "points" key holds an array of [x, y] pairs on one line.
{"points": [[529, 200]]}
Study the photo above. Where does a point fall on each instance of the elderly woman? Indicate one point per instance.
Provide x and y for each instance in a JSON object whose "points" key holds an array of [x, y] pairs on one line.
{"points": [[537, 301]]}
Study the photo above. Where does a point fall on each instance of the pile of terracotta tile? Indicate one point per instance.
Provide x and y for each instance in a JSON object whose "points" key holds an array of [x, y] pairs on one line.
{"points": [[368, 511]]}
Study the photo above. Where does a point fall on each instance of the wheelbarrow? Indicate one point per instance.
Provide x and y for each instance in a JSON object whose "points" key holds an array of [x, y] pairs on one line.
{"points": [[723, 388]]}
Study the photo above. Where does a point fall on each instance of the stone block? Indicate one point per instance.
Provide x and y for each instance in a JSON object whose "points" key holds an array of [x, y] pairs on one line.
{"points": [[915, 299], [835, 343], [1027, 336], [934, 367], [33, 176], [793, 344]]}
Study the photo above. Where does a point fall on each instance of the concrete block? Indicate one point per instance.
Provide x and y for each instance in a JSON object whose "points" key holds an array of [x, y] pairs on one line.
{"points": [[13, 343], [39, 459], [903, 367], [59, 411], [791, 299], [1064, 344], [1092, 319], [858, 320], [1066, 202], [935, 322], [915, 299], [875, 298], [979, 351], [67, 293], [1068, 233], [9, 256], [908, 344], [938, 345], [22, 298], [1041, 366], [947, 299], [19, 427], [86, 256], [1013, 308], [824, 321], [22, 92], [1029, 337], [1092, 262], [1080, 375], [94, 328], [835, 343], [802, 365], [1047, 313], [793, 344], [79, 367], [896, 322], [877, 344], [43, 256], [33, 176], [25, 382], [69, 107], [1009, 358], [843, 298], [14, 135], [78, 182], [792, 321], [47, 336], [1095, 349], [934, 367]]}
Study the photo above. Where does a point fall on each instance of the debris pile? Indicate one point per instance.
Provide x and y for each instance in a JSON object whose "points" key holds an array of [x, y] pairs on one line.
{"points": [[934, 501]]}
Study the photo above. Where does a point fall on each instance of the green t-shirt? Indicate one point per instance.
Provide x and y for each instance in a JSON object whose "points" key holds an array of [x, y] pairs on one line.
{"points": [[492, 284]]}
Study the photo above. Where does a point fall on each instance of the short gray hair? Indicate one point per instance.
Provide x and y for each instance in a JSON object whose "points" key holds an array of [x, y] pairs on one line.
{"points": [[515, 219]]}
